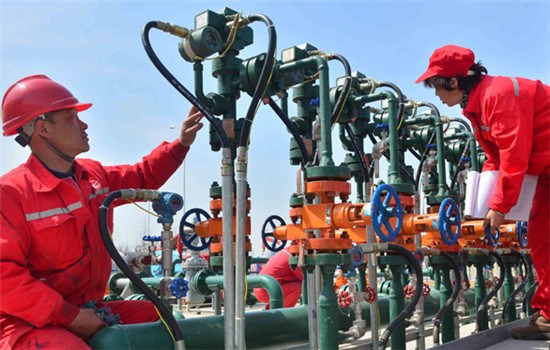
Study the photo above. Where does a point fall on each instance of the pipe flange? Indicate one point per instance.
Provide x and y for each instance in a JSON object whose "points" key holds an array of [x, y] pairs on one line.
{"points": [[198, 284]]}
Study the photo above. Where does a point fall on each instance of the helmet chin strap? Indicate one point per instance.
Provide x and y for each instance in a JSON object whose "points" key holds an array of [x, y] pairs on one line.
{"points": [[62, 155]]}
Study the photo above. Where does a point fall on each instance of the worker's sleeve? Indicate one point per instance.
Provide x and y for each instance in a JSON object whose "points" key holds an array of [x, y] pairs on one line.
{"points": [[22, 295], [152, 172], [511, 124]]}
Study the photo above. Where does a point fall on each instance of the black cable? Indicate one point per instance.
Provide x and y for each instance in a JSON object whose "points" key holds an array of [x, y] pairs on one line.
{"points": [[216, 124], [416, 297], [113, 252], [488, 297], [527, 298], [413, 152], [360, 156], [452, 298], [293, 130], [460, 162], [264, 77], [345, 91], [512, 297], [400, 97], [422, 159]]}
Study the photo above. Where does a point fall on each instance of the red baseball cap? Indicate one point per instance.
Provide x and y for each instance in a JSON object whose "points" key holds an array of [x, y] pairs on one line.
{"points": [[449, 61]]}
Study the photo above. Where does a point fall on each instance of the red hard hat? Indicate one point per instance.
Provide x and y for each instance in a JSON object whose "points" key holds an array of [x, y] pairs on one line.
{"points": [[32, 96], [449, 61]]}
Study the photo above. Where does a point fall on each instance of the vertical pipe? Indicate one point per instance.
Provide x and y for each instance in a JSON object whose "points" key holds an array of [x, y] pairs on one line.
{"points": [[508, 288], [397, 304], [446, 289], [324, 112], [481, 292], [393, 171], [312, 310], [420, 341], [473, 153], [227, 234], [328, 311], [240, 249], [373, 280]]}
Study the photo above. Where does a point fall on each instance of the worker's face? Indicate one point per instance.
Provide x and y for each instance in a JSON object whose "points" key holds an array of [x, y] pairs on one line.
{"points": [[449, 97], [66, 132]]}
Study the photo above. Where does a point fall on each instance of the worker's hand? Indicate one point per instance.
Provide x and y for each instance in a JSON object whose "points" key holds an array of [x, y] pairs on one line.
{"points": [[191, 125], [494, 219], [86, 324]]}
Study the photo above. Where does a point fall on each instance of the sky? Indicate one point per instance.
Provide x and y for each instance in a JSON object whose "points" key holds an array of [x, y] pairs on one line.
{"points": [[94, 49]]}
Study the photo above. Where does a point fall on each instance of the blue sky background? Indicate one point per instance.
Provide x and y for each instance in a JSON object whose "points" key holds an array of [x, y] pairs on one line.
{"points": [[94, 48]]}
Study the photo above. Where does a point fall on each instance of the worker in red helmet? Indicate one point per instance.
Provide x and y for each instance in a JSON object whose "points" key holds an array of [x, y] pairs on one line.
{"points": [[278, 267], [53, 264], [511, 121]]}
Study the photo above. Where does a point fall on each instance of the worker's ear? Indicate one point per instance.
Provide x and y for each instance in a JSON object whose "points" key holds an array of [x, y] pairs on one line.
{"points": [[454, 83]]}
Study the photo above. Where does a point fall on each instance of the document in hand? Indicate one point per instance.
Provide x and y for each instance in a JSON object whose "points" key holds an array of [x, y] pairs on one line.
{"points": [[480, 188]]}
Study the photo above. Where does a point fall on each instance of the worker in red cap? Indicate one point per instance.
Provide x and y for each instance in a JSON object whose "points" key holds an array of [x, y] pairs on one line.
{"points": [[278, 267], [53, 264], [511, 121]]}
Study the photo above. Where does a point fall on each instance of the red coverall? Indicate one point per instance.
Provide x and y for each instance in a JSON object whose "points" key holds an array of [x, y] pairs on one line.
{"points": [[290, 280], [52, 258], [511, 120]]}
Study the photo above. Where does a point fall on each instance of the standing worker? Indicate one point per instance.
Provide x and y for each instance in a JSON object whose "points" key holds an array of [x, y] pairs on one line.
{"points": [[53, 264], [511, 121], [278, 267]]}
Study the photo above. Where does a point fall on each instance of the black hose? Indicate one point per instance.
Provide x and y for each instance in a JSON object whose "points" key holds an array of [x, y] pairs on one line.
{"points": [[264, 77], [216, 124], [493, 292], [345, 91], [511, 298], [416, 297], [166, 314], [293, 130], [413, 152], [528, 296], [422, 159], [336, 114], [452, 298], [400, 97], [358, 154], [455, 175]]}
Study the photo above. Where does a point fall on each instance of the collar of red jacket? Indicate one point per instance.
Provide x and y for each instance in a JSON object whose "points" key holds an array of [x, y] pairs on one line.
{"points": [[44, 180], [474, 100]]}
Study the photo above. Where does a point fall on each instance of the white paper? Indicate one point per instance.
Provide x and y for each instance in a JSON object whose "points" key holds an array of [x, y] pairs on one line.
{"points": [[481, 187]]}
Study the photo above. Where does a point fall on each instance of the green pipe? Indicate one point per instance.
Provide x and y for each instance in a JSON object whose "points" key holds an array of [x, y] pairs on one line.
{"points": [[203, 279], [324, 99], [328, 310], [437, 280], [509, 286], [258, 260], [481, 293], [199, 93], [447, 321], [397, 305], [440, 155], [264, 329], [393, 171], [362, 280]]}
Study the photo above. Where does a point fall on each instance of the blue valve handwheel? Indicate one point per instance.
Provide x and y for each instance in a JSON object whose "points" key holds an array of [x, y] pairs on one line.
{"points": [[449, 219], [521, 231], [191, 240], [357, 256], [381, 211], [492, 237], [179, 287], [274, 245]]}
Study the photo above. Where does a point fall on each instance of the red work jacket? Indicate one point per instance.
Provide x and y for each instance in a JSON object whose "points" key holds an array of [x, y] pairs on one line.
{"points": [[511, 120], [52, 257], [278, 267]]}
